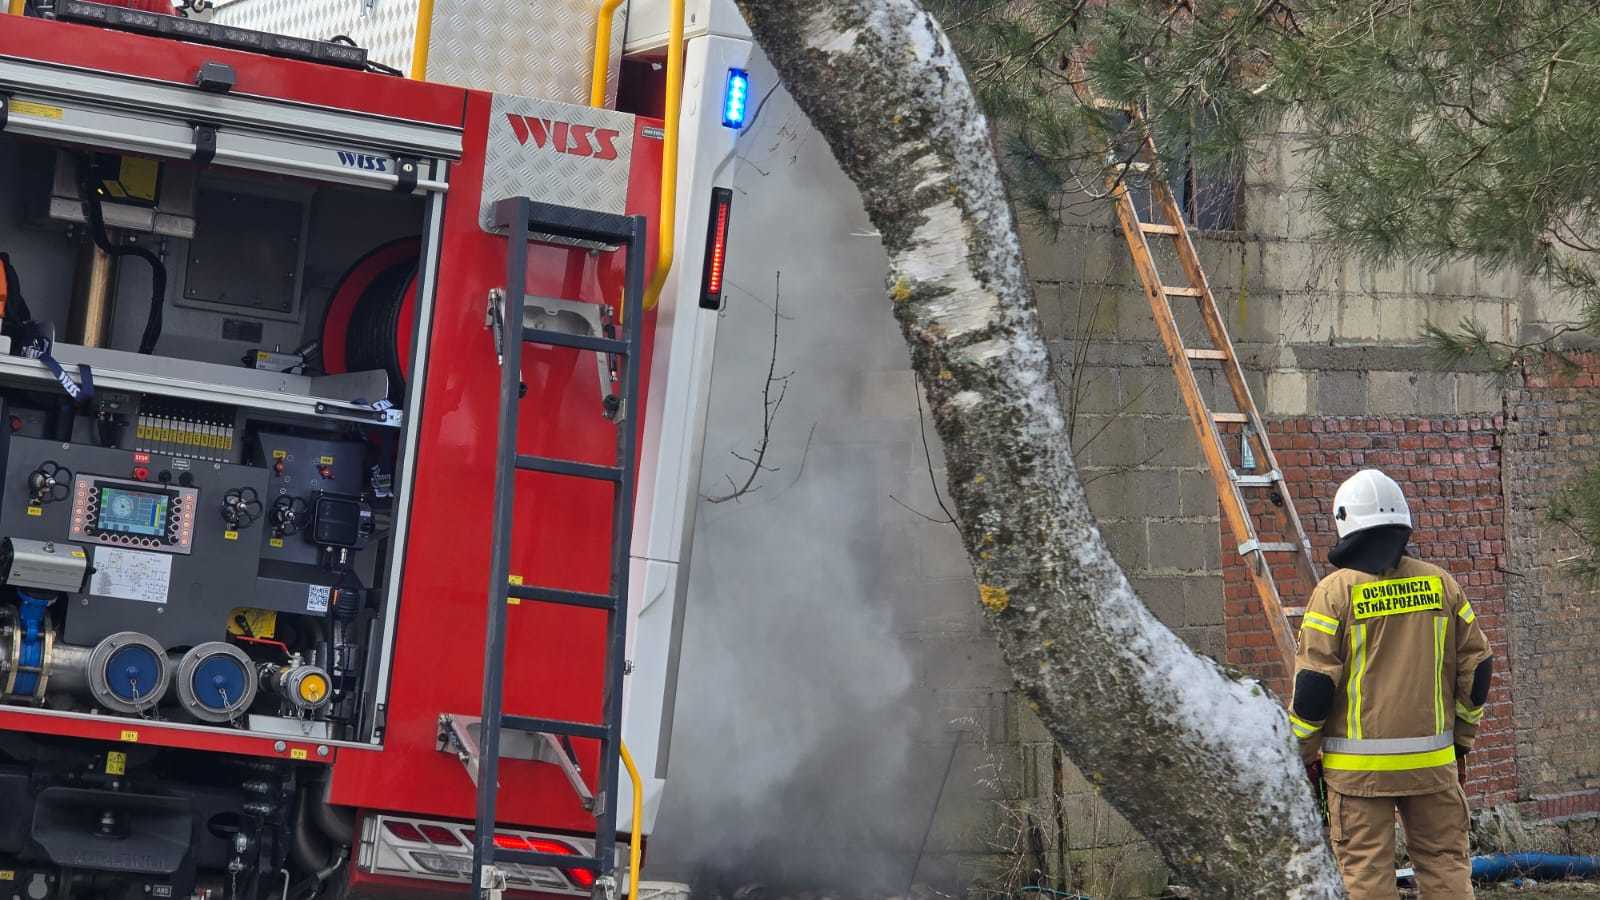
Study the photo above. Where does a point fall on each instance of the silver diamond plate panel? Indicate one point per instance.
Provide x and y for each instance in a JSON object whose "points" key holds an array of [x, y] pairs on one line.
{"points": [[543, 48], [556, 153], [540, 49]]}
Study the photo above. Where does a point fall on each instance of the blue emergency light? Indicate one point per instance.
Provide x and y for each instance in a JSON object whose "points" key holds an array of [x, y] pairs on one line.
{"points": [[736, 98]]}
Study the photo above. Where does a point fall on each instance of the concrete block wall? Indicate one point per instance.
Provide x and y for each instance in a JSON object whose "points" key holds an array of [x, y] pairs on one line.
{"points": [[1552, 437], [1318, 332], [1336, 356]]}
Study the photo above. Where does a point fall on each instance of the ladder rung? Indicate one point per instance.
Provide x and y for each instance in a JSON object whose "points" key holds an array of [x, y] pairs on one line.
{"points": [[1267, 479], [1183, 292], [568, 467], [565, 221], [545, 860], [1279, 547], [1155, 228], [1236, 418], [576, 341], [1253, 545], [554, 726], [1205, 354], [565, 598], [1103, 103]]}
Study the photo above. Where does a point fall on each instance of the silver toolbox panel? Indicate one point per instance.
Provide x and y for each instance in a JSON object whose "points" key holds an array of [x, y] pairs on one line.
{"points": [[543, 49], [556, 153]]}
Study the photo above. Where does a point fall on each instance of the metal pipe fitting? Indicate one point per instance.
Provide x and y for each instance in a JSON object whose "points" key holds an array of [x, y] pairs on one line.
{"points": [[216, 682]]}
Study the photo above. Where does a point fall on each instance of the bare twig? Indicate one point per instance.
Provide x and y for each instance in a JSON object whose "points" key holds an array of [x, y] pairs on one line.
{"points": [[804, 455], [927, 453], [769, 413], [919, 513], [1089, 477]]}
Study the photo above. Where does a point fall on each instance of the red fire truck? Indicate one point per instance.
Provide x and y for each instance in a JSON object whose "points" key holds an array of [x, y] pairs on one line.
{"points": [[354, 374]]}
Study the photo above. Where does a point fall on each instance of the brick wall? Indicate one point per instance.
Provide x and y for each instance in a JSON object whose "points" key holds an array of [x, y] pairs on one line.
{"points": [[1450, 469], [1552, 437]]}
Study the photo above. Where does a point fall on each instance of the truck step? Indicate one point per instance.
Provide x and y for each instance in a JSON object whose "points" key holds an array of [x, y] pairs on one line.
{"points": [[576, 341], [545, 860], [554, 726]]}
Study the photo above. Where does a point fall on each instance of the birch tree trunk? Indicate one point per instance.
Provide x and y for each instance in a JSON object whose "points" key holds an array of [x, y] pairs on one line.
{"points": [[1203, 765]]}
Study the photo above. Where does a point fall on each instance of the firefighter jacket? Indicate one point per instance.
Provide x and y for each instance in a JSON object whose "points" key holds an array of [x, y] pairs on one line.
{"points": [[1401, 650]]}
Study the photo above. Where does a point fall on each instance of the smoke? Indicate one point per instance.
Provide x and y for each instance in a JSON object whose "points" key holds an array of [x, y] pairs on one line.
{"points": [[806, 751]]}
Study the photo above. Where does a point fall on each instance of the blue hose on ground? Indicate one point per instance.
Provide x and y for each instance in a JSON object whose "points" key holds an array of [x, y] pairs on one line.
{"points": [[1499, 866]]}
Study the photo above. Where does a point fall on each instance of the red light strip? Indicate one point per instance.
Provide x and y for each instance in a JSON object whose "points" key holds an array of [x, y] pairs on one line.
{"points": [[716, 248], [719, 250]]}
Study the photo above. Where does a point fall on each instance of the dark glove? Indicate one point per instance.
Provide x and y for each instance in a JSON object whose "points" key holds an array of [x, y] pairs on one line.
{"points": [[1314, 775]]}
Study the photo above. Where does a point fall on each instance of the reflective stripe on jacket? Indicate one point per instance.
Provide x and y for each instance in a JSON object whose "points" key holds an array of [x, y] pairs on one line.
{"points": [[1401, 649]]}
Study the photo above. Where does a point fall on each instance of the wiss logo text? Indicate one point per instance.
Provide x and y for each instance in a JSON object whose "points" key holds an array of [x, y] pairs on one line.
{"points": [[363, 161], [565, 137]]}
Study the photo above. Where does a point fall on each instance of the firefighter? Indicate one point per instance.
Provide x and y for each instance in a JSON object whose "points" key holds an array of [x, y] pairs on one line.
{"points": [[1389, 687]]}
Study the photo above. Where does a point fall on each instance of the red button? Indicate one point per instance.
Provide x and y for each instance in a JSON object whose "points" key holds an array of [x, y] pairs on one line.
{"points": [[141, 472], [325, 471], [277, 467]]}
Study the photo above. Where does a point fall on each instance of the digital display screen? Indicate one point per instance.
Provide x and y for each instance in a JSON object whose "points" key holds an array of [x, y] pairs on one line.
{"points": [[133, 512]]}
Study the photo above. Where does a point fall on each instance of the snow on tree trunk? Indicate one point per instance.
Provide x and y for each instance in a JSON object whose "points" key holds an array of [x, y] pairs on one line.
{"points": [[1203, 765]]}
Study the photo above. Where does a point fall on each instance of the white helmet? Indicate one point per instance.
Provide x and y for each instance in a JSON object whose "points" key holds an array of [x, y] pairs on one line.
{"points": [[1368, 499]]}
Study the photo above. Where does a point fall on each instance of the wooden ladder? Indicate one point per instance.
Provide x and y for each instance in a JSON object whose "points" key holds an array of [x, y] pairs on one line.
{"points": [[1230, 482]]}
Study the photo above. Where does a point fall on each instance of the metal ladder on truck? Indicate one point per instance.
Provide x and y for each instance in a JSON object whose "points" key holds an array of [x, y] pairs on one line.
{"points": [[1231, 483], [525, 220]]}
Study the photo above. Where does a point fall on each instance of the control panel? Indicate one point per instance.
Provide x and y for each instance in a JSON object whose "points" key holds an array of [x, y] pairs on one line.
{"points": [[173, 547], [133, 514], [300, 470]]}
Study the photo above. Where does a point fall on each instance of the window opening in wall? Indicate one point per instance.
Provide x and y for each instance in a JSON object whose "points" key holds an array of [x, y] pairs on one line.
{"points": [[1209, 190]]}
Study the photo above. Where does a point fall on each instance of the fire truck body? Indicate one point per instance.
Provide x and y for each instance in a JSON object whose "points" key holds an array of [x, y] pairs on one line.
{"points": [[247, 570]]}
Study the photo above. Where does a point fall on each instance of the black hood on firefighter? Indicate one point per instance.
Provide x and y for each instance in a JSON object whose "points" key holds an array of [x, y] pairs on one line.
{"points": [[1371, 550]]}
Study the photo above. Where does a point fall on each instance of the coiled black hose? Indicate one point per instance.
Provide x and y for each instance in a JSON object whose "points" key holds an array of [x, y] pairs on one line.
{"points": [[93, 211], [370, 342], [16, 308]]}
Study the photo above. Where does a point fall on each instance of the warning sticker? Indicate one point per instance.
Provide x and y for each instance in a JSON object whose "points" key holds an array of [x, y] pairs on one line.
{"points": [[1396, 596], [317, 598], [116, 763], [131, 574], [37, 110]]}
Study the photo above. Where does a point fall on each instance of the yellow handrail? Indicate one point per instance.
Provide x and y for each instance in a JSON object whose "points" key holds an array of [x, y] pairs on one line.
{"points": [[602, 53], [669, 158], [638, 822], [419, 45], [16, 7]]}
